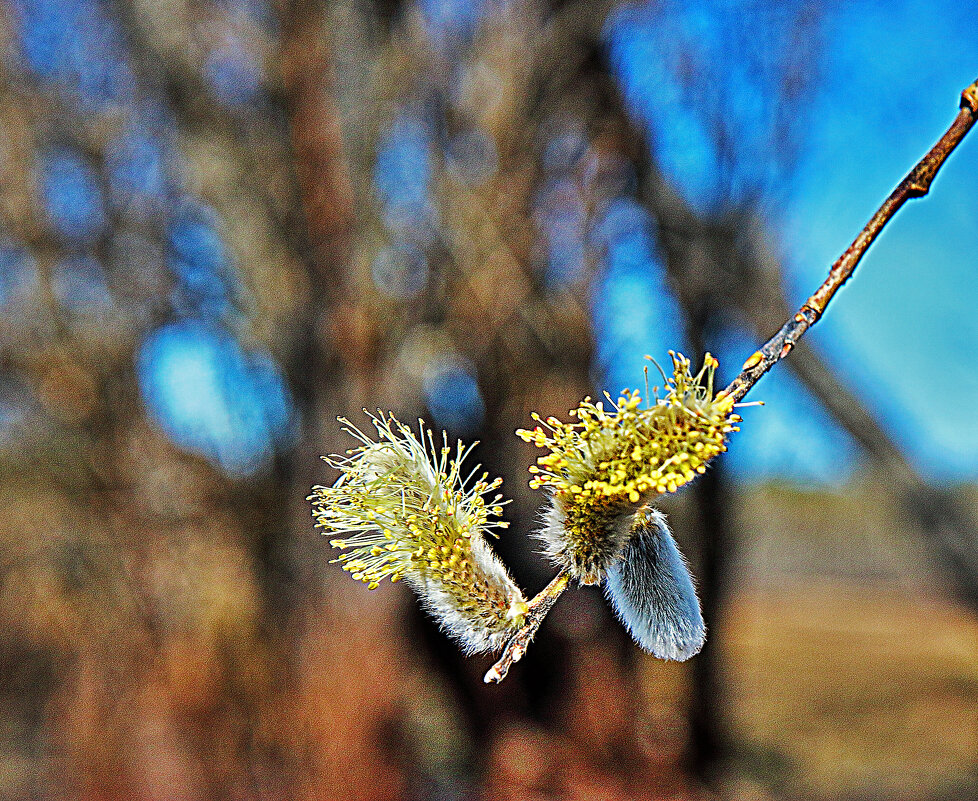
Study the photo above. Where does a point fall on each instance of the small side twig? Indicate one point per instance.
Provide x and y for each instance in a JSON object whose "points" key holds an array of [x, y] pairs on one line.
{"points": [[538, 607], [916, 184]]}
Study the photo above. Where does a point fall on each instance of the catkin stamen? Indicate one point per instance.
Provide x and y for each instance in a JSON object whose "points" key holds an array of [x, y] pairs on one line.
{"points": [[611, 460], [400, 509]]}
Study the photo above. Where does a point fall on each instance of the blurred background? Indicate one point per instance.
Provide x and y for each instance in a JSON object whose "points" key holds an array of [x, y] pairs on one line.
{"points": [[225, 222]]}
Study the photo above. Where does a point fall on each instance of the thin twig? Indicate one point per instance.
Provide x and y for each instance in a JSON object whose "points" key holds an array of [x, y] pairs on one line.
{"points": [[541, 604], [916, 184]]}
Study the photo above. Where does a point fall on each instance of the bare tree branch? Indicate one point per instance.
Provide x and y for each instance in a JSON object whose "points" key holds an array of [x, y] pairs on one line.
{"points": [[542, 603], [751, 280], [916, 184]]}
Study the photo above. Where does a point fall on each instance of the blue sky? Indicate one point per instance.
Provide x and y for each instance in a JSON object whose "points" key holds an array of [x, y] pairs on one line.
{"points": [[901, 333]]}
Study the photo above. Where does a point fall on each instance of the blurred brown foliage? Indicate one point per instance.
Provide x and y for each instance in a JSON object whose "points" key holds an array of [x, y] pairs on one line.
{"points": [[172, 630]]}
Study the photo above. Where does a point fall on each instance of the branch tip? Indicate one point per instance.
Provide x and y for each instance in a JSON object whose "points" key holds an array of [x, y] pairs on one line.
{"points": [[969, 98], [915, 184]]}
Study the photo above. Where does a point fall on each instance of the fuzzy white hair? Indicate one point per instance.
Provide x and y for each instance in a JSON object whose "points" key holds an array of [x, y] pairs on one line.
{"points": [[652, 591]]}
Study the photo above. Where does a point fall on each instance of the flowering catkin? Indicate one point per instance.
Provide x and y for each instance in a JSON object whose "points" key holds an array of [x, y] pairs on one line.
{"points": [[401, 509], [603, 468]]}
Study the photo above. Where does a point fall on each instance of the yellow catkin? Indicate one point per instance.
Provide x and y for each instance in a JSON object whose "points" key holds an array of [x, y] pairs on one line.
{"points": [[403, 510], [608, 462]]}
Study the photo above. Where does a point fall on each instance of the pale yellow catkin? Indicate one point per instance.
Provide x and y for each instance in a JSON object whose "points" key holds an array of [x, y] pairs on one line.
{"points": [[401, 509], [607, 463]]}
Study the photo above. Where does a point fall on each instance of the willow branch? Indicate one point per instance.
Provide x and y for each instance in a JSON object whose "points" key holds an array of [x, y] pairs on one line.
{"points": [[916, 184]]}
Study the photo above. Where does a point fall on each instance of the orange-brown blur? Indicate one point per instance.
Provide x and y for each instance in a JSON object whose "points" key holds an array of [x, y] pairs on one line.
{"points": [[222, 225]]}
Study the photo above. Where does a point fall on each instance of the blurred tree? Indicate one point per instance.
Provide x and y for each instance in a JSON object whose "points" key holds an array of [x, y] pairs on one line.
{"points": [[224, 224], [166, 297]]}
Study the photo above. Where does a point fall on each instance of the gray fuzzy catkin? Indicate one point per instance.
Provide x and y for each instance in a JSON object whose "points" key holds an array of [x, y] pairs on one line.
{"points": [[653, 594]]}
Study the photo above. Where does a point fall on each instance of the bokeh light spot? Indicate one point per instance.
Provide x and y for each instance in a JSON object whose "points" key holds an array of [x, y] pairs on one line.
{"points": [[72, 195], [452, 394], [400, 270], [213, 398]]}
